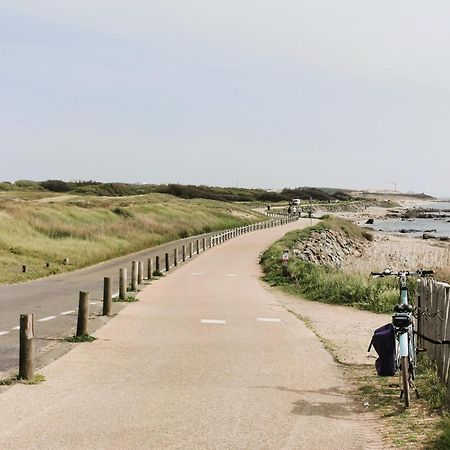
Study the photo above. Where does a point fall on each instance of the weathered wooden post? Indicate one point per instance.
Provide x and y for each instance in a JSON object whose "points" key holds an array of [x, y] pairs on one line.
{"points": [[191, 249], [134, 276], [167, 262], [204, 244], [107, 296], [210, 242], [140, 276], [175, 257], [83, 314], [157, 265], [123, 284], [26, 346], [149, 268], [198, 247], [183, 253], [24, 268]]}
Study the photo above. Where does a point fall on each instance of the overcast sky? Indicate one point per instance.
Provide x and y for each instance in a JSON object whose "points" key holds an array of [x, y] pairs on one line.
{"points": [[252, 93]]}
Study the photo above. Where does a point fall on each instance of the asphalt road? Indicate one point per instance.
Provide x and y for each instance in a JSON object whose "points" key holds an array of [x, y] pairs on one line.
{"points": [[207, 359], [54, 301]]}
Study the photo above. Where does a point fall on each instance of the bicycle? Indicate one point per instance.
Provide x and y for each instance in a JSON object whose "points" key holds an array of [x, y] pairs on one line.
{"points": [[406, 338]]}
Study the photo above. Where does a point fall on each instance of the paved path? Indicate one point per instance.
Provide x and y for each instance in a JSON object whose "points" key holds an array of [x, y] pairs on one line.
{"points": [[208, 359], [54, 299]]}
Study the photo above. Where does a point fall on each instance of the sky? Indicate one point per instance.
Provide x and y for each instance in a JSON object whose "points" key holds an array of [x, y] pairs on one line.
{"points": [[247, 93]]}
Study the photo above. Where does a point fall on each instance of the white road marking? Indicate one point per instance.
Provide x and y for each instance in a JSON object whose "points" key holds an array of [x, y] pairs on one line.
{"points": [[45, 319], [196, 273], [221, 322], [267, 319], [93, 303], [16, 328], [231, 275], [65, 313], [2, 333]]}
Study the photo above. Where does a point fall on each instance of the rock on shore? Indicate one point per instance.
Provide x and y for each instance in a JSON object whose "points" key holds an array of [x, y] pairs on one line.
{"points": [[328, 247]]}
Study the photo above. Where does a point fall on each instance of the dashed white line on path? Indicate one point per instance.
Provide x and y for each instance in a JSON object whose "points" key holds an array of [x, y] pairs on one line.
{"points": [[267, 319], [231, 275], [45, 319], [221, 322], [65, 313], [93, 303], [2, 333], [16, 328]]}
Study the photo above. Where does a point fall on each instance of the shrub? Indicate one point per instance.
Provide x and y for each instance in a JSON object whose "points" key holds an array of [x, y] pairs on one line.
{"points": [[56, 186], [122, 212]]}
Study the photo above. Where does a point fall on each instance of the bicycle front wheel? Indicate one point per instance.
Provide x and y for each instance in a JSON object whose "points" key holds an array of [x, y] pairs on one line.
{"points": [[405, 378]]}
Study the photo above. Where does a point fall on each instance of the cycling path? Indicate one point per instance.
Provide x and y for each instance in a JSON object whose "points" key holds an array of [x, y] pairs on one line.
{"points": [[208, 358]]}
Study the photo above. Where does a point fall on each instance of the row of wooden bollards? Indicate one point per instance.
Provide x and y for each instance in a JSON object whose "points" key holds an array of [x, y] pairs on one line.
{"points": [[27, 321]]}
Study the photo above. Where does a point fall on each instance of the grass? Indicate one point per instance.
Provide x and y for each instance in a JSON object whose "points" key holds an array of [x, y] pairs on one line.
{"points": [[424, 424], [128, 299], [35, 231], [326, 284], [37, 378], [84, 338]]}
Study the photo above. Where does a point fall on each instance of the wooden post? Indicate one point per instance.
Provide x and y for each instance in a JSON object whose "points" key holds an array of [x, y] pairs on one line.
{"points": [[204, 244], [149, 268], [210, 242], [134, 276], [140, 277], [24, 268], [191, 249], [66, 261], [157, 265], [83, 314], [175, 257], [107, 296], [167, 262], [198, 247], [123, 284], [26, 351], [183, 253]]}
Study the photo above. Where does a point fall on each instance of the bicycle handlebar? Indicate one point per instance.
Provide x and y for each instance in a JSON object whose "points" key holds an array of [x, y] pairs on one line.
{"points": [[417, 273]]}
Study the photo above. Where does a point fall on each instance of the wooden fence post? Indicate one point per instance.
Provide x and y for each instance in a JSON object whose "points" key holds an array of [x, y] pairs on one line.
{"points": [[167, 262], [26, 351], [123, 284], [175, 257], [83, 314], [134, 276], [157, 265], [204, 244], [198, 247], [191, 249], [107, 296], [149, 268], [140, 277], [183, 253]]}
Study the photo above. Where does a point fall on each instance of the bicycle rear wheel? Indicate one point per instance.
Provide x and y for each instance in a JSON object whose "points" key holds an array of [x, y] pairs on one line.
{"points": [[405, 379]]}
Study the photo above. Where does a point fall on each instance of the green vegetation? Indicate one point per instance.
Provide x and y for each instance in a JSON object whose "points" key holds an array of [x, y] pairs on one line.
{"points": [[37, 378], [321, 283], [423, 425], [128, 299], [36, 229], [84, 338], [229, 194]]}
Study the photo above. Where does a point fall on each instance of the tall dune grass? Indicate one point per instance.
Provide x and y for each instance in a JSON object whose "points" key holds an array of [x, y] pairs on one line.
{"points": [[88, 230]]}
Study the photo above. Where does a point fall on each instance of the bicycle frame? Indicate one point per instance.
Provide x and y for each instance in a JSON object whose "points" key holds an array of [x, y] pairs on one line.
{"points": [[403, 337]]}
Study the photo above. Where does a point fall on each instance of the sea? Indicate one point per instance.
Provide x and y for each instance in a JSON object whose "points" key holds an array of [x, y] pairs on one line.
{"points": [[416, 227]]}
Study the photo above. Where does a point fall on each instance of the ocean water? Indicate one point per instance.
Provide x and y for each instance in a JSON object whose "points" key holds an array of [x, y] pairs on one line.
{"points": [[441, 225]]}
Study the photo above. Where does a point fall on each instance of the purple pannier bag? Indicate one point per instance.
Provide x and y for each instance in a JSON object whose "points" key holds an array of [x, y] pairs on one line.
{"points": [[383, 341]]}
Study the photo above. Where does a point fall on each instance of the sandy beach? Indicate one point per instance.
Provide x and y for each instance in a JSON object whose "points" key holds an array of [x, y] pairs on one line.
{"points": [[397, 251]]}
